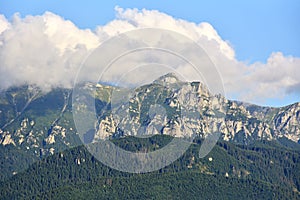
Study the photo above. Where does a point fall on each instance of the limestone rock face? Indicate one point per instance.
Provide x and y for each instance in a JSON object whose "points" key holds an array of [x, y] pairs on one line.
{"points": [[189, 109]]}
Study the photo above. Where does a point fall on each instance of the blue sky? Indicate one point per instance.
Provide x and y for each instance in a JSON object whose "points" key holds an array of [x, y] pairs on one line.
{"points": [[254, 28]]}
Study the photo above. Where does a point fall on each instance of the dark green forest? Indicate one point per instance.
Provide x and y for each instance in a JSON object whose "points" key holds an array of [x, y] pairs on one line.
{"points": [[262, 170]]}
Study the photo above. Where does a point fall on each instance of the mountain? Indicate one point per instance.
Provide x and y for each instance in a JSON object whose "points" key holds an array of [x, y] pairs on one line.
{"points": [[285, 119], [35, 124], [183, 109]]}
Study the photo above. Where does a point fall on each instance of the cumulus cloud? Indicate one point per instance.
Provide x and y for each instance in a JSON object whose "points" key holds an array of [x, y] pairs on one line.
{"points": [[42, 50], [131, 19], [48, 50], [274, 79]]}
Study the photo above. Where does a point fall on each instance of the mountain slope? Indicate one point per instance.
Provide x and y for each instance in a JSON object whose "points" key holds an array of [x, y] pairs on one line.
{"points": [[286, 120], [259, 171], [35, 125]]}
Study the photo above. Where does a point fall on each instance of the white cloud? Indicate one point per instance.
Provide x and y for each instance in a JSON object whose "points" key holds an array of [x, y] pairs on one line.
{"points": [[274, 79], [47, 50], [4, 24], [130, 19], [43, 50], [65, 35]]}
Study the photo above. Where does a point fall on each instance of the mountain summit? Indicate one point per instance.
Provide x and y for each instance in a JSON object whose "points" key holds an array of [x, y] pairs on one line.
{"points": [[167, 78]]}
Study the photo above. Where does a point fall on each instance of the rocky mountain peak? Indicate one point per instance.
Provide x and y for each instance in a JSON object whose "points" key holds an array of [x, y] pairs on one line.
{"points": [[167, 78]]}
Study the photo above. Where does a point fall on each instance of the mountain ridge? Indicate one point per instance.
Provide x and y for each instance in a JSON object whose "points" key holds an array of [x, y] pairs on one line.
{"points": [[39, 124]]}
